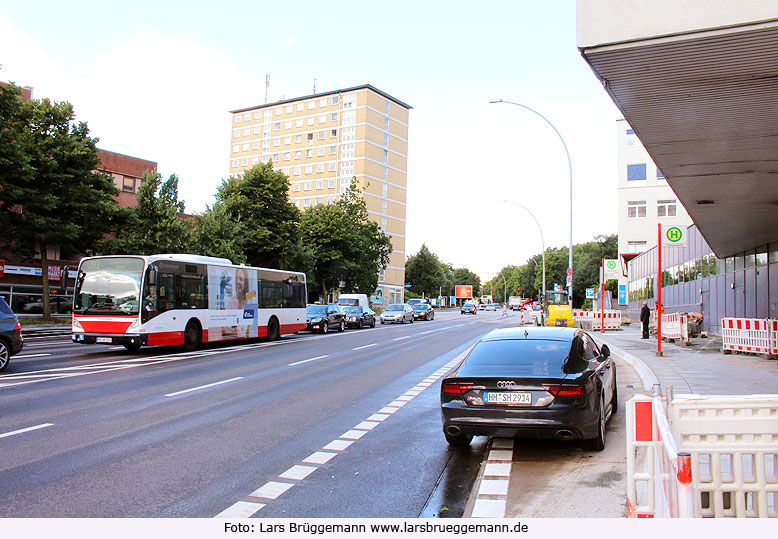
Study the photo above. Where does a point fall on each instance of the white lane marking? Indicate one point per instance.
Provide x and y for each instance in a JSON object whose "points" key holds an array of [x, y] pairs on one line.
{"points": [[366, 346], [307, 360], [240, 510], [413, 392], [493, 487], [298, 472], [387, 410], [417, 387], [405, 398], [401, 338], [204, 387], [485, 508], [398, 404], [499, 469], [31, 355], [320, 457], [337, 445], [353, 434], [28, 429], [271, 489], [430, 331], [377, 417], [425, 384], [367, 425], [500, 455]]}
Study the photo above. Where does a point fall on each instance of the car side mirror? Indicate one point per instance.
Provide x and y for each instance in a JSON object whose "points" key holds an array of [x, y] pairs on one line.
{"points": [[605, 352]]}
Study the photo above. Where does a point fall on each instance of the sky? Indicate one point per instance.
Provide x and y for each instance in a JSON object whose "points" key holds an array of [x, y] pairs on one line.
{"points": [[157, 80]]}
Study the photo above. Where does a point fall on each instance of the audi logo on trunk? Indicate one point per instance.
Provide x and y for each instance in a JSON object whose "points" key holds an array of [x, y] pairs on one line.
{"points": [[506, 383]]}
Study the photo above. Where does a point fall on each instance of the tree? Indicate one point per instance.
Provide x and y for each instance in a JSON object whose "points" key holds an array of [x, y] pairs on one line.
{"points": [[269, 222], [154, 225], [425, 272], [218, 235], [465, 276], [50, 192], [342, 245]]}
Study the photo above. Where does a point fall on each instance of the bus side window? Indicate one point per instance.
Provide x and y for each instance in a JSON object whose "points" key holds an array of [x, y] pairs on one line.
{"points": [[167, 292]]}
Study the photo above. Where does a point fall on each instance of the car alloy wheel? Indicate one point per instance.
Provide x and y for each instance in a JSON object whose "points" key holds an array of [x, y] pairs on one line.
{"points": [[598, 443], [5, 356], [342, 325], [324, 325]]}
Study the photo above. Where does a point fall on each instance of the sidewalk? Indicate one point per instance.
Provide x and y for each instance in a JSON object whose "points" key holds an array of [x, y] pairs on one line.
{"points": [[701, 368]]}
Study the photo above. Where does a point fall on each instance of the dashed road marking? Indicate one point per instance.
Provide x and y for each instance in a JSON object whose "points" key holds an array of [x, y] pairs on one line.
{"points": [[28, 429], [298, 472], [271, 490], [240, 510], [353, 434], [31, 355], [401, 338], [367, 425], [204, 387], [337, 445], [365, 346], [320, 457], [307, 360]]}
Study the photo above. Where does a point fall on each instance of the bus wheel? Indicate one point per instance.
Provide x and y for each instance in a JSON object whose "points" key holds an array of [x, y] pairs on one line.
{"points": [[273, 331], [193, 335]]}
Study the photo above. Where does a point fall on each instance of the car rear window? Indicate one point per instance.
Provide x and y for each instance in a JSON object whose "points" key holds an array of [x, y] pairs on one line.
{"points": [[515, 358], [353, 310], [395, 307], [4, 308]]}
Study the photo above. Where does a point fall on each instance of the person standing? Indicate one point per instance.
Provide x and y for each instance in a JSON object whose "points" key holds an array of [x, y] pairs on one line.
{"points": [[645, 316]]}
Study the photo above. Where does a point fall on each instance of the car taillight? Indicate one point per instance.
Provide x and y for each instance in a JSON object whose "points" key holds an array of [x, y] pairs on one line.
{"points": [[18, 326], [564, 390], [457, 388]]}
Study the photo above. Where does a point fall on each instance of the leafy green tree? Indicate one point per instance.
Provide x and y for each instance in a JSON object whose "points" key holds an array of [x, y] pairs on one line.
{"points": [[425, 272], [154, 225], [465, 276], [342, 245], [269, 222], [218, 234], [50, 192]]}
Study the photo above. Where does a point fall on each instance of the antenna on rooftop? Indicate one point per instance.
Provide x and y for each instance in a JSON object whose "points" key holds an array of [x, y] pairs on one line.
{"points": [[314, 86], [267, 85]]}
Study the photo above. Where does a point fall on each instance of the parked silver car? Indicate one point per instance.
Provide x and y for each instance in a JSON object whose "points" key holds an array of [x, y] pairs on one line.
{"points": [[397, 313]]}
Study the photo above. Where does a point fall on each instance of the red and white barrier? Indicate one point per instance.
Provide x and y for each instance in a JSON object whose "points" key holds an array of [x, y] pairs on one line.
{"points": [[675, 326], [611, 319], [658, 475], [755, 335]]}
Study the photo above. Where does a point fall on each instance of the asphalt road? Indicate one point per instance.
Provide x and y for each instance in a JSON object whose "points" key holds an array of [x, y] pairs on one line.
{"points": [[94, 431]]}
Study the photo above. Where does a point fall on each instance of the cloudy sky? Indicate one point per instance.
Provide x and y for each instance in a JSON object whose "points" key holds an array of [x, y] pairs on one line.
{"points": [[156, 80]]}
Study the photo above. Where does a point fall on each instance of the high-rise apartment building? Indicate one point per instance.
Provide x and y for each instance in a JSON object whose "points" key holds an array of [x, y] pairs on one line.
{"points": [[323, 141], [645, 198]]}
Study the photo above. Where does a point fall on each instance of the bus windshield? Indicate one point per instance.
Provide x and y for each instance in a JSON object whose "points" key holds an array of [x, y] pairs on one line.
{"points": [[109, 286]]}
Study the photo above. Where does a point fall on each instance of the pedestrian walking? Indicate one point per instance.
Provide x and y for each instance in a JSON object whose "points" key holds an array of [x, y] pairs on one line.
{"points": [[645, 316]]}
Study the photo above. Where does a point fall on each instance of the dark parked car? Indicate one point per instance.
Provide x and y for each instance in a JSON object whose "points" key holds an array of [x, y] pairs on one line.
{"points": [[397, 313], [359, 317], [11, 342], [543, 382], [468, 308], [323, 317], [423, 311]]}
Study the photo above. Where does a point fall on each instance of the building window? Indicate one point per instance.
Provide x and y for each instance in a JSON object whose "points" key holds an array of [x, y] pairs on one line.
{"points": [[321, 135], [257, 130], [277, 141], [632, 138], [386, 139], [286, 156], [319, 201], [386, 156], [331, 167], [237, 119], [128, 184], [236, 133], [234, 163], [309, 136], [319, 185], [235, 148], [288, 124], [308, 170], [307, 186], [296, 187], [659, 175], [275, 157], [333, 150], [257, 114], [636, 209], [245, 161], [287, 140], [298, 138], [636, 172], [298, 123], [309, 153], [300, 107], [386, 108], [311, 104], [333, 133], [296, 171], [276, 126], [311, 121], [322, 119], [307, 202], [255, 160], [247, 117], [665, 208], [320, 168], [331, 184], [382, 274], [298, 155], [636, 246], [334, 100], [320, 151], [386, 124], [289, 109], [334, 116], [386, 176]]}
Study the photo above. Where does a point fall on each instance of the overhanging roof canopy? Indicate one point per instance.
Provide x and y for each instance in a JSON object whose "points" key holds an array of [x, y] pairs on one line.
{"points": [[705, 106]]}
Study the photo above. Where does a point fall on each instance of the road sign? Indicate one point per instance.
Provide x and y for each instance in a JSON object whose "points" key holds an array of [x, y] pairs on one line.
{"points": [[569, 271], [590, 293], [611, 268], [622, 294], [674, 236]]}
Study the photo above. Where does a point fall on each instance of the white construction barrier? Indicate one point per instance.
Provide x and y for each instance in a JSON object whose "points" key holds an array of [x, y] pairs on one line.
{"points": [[675, 326], [658, 475], [755, 335], [702, 456], [611, 318]]}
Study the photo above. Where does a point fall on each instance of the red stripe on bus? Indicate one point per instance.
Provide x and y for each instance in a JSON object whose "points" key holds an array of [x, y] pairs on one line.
{"points": [[93, 326], [167, 338]]}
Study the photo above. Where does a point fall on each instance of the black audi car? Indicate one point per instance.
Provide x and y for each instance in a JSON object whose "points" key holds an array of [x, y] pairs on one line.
{"points": [[11, 342], [538, 382], [423, 311], [323, 317]]}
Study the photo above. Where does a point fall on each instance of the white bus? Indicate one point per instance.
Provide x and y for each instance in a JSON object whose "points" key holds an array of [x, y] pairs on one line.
{"points": [[177, 299]]}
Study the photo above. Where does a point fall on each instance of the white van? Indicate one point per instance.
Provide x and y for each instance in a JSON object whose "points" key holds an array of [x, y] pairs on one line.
{"points": [[353, 300]]}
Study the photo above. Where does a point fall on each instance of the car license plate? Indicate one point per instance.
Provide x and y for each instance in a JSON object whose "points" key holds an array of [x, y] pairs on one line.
{"points": [[105, 340], [561, 321], [508, 398]]}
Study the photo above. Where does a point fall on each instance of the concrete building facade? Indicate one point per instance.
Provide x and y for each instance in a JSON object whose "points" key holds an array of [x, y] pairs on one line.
{"points": [[323, 141]]}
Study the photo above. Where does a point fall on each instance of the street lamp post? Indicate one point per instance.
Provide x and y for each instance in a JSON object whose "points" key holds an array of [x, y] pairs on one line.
{"points": [[504, 290], [542, 243], [570, 168]]}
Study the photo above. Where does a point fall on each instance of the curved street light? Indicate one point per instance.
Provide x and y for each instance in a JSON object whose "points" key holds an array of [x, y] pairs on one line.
{"points": [[542, 243], [570, 168]]}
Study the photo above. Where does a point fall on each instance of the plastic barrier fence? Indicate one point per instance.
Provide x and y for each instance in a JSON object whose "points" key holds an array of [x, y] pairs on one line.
{"points": [[658, 475], [733, 443], [612, 318], [675, 326], [754, 335]]}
